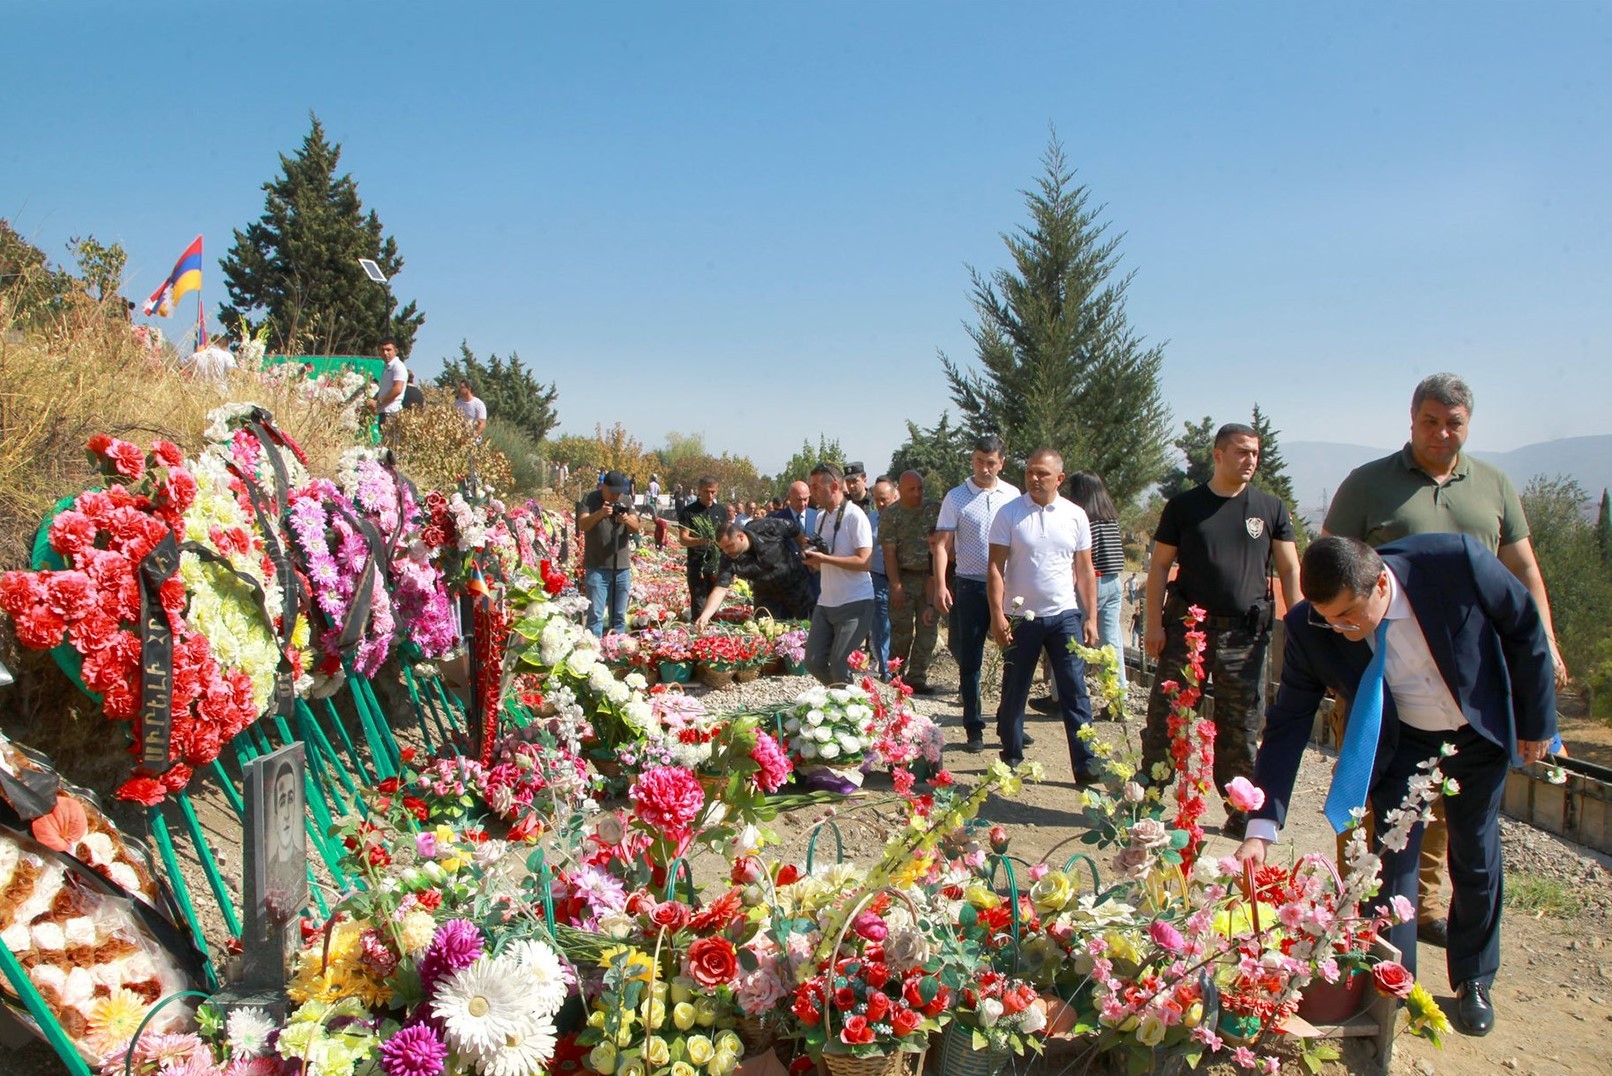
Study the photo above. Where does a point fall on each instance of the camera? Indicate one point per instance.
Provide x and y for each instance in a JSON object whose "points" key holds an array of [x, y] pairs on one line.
{"points": [[817, 542], [619, 508]]}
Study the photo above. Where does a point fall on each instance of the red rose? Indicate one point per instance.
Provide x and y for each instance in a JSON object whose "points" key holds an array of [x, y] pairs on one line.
{"points": [[806, 1012], [430, 900], [640, 903], [844, 999], [876, 974], [746, 870], [878, 1006], [713, 962], [388, 786], [856, 1031], [788, 874], [1393, 979], [943, 999], [407, 754], [905, 1022], [909, 993], [670, 915]]}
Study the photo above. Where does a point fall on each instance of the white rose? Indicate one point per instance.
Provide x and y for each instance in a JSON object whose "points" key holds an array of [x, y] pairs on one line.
{"points": [[579, 662], [990, 1011], [829, 751], [808, 749]]}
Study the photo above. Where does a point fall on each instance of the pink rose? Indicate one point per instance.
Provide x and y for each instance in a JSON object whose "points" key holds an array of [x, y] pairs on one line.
{"points": [[1393, 979], [1244, 795]]}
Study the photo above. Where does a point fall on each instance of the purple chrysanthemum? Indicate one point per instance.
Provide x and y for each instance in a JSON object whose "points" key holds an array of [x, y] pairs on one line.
{"points": [[414, 1051], [456, 944]]}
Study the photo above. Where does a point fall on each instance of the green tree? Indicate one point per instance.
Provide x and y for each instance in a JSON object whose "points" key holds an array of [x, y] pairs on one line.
{"points": [[1059, 364], [1197, 447], [1603, 528], [940, 454], [1272, 476], [508, 389], [297, 266], [100, 267], [1579, 584], [33, 291], [801, 463]]}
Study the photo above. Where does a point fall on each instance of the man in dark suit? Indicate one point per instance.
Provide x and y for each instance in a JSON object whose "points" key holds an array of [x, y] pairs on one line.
{"points": [[1467, 664]]}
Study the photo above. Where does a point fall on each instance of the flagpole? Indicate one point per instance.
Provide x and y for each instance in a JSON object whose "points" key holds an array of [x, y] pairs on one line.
{"points": [[201, 312]]}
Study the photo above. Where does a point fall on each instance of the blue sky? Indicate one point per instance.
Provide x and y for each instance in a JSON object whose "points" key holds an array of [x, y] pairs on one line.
{"points": [[754, 220]]}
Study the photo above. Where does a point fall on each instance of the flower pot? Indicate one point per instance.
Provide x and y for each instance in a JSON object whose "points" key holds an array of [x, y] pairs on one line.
{"points": [[820, 778], [794, 668], [676, 672], [1333, 1003], [714, 678], [773, 666], [959, 1057]]}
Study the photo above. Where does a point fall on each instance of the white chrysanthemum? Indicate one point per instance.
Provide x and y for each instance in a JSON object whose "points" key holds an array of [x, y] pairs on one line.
{"points": [[524, 1055], [551, 979], [248, 1031], [484, 1006]]}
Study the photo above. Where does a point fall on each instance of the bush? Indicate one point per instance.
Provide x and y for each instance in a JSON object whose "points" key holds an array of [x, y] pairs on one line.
{"points": [[435, 449], [527, 469]]}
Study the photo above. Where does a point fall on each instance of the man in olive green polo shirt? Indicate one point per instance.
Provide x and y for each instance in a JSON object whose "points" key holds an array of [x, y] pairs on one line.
{"points": [[1432, 486]]}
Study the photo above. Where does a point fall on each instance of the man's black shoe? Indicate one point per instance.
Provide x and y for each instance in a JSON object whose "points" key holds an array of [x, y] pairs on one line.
{"points": [[975, 745], [1474, 1013], [1028, 739], [1434, 932], [1084, 779], [925, 689], [1236, 826], [1046, 704]]}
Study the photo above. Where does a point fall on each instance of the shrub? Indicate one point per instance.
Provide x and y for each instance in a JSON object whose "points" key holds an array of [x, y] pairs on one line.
{"points": [[434, 447]]}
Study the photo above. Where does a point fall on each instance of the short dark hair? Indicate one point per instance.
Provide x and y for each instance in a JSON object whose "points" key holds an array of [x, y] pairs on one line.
{"points": [[1234, 429], [1334, 564], [389, 340], [707, 480], [990, 443], [1087, 490], [832, 470], [729, 530], [1447, 389]]}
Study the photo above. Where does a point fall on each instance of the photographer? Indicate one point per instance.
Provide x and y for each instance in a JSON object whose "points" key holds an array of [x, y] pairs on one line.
{"points": [[1225, 535], [839, 548], [766, 554], [608, 524]]}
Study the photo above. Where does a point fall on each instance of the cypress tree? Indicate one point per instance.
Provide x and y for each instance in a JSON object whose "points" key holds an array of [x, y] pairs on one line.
{"points": [[297, 266]]}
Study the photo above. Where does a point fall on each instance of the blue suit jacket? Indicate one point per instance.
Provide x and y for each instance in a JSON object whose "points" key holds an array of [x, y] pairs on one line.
{"points": [[1484, 632]]}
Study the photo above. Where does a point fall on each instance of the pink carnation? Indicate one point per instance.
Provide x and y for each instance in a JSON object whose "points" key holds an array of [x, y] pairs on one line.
{"points": [[667, 799], [774, 763]]}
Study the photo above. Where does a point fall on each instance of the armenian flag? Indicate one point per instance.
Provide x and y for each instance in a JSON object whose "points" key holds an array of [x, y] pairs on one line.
{"points": [[186, 278]]}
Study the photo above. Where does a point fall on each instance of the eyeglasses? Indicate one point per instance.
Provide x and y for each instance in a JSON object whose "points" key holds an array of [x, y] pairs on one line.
{"points": [[1346, 621]]}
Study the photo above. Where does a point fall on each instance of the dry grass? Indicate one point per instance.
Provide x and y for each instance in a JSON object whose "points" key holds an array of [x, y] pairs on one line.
{"points": [[87, 374]]}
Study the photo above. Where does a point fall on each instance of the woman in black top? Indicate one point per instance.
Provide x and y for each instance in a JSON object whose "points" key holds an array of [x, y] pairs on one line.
{"points": [[1107, 557]]}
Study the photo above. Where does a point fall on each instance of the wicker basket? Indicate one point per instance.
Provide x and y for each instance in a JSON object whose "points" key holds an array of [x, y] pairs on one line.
{"points": [[882, 1065], [713, 678], [758, 1035], [746, 674], [958, 1057]]}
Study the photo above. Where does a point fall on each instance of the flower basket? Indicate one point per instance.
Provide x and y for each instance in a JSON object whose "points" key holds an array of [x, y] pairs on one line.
{"points": [[773, 666], [759, 1035], [713, 677], [958, 1057], [1333, 1003], [747, 674], [839, 780], [676, 672], [883, 1065]]}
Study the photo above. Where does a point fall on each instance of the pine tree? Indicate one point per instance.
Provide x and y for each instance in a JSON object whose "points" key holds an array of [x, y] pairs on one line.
{"points": [[1059, 365], [1197, 447], [1272, 476], [297, 266], [508, 389], [939, 453], [1603, 528]]}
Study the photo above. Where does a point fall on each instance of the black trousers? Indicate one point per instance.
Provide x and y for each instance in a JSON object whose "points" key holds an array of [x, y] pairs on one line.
{"points": [[1473, 816]]}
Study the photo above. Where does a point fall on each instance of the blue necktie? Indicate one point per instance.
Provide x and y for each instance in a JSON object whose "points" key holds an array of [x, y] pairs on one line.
{"points": [[1351, 781]]}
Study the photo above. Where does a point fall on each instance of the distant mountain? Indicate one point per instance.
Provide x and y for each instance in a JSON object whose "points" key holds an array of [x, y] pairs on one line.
{"points": [[1317, 467]]}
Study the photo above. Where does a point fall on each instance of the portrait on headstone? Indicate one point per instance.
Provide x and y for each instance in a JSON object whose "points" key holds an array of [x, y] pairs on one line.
{"points": [[277, 849]]}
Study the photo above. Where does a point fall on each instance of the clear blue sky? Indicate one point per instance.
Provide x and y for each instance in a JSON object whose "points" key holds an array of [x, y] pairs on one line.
{"points": [[753, 220]]}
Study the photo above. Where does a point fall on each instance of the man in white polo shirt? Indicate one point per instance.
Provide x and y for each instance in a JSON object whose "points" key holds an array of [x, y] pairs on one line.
{"points": [[1040, 580], [961, 538], [840, 547]]}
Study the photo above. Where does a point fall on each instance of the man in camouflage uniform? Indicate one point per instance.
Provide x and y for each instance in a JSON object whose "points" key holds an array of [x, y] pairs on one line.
{"points": [[904, 531]]}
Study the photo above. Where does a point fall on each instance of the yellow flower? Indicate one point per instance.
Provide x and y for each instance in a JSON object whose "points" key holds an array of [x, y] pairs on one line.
{"points": [[981, 896], [1150, 1031], [704, 1012], [683, 1016], [417, 930], [729, 1042], [683, 1068], [656, 1052], [603, 1058], [444, 834], [115, 1018], [654, 1012], [1426, 1018], [1122, 946], [912, 872], [636, 963], [700, 1049], [1052, 891]]}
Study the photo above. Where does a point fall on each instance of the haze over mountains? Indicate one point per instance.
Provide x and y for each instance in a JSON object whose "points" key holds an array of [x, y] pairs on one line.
{"points": [[1317, 467]]}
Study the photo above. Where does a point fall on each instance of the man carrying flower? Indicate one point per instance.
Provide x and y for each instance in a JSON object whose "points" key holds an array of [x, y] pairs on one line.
{"points": [[1041, 555]]}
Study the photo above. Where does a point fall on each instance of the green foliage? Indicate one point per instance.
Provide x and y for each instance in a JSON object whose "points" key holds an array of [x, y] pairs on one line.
{"points": [[800, 465], [296, 267], [1543, 895], [1059, 364], [100, 267], [525, 458], [940, 454], [32, 291], [1577, 579], [508, 389], [1197, 447], [1603, 528]]}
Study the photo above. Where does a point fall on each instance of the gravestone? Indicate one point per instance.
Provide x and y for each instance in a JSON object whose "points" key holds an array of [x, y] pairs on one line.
{"points": [[275, 866]]}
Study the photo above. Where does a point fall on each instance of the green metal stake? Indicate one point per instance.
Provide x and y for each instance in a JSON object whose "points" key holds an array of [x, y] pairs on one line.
{"points": [[209, 866], [170, 862], [364, 775]]}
